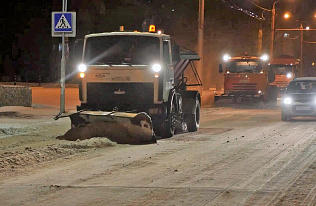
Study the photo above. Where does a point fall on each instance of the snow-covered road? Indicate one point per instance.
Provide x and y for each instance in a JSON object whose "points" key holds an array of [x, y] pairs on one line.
{"points": [[238, 157]]}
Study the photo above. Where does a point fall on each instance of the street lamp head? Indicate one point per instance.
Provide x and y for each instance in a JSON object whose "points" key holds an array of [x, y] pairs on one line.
{"points": [[287, 15]]}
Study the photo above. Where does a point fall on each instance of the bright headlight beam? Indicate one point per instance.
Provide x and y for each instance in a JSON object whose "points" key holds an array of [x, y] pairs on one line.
{"points": [[287, 100], [156, 67], [289, 75], [82, 67], [265, 57], [226, 57]]}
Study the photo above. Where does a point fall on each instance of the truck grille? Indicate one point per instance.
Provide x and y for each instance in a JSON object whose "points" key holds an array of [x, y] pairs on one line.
{"points": [[115, 94], [244, 86]]}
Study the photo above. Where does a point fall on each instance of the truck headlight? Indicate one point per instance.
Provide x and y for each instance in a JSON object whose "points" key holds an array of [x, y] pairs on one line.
{"points": [[156, 67], [265, 57], [226, 57], [287, 100], [289, 75], [82, 67]]}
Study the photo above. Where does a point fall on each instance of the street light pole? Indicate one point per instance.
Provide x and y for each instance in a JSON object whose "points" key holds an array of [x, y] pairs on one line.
{"points": [[301, 51], [272, 29], [200, 39]]}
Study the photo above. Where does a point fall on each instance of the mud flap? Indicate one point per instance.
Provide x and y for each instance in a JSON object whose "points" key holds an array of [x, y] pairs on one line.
{"points": [[123, 128]]}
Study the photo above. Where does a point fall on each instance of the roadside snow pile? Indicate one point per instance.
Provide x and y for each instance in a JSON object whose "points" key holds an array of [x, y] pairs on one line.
{"points": [[5, 132], [13, 95], [11, 162], [10, 114]]}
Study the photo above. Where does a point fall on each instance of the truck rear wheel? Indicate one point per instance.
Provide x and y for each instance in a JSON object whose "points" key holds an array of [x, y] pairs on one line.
{"points": [[193, 120], [283, 116], [273, 95], [167, 128]]}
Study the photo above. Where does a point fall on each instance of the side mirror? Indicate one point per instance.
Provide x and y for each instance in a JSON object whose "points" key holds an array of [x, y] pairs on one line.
{"points": [[175, 52], [271, 76], [220, 68], [78, 50]]}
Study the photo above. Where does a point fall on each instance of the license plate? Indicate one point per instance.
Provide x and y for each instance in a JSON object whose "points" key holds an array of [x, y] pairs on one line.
{"points": [[303, 108]]}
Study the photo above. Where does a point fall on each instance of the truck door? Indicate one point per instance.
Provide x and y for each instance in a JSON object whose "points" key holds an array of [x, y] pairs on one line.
{"points": [[169, 74]]}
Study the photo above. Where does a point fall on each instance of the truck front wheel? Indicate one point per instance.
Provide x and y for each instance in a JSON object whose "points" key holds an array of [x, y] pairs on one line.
{"points": [[167, 127], [193, 120]]}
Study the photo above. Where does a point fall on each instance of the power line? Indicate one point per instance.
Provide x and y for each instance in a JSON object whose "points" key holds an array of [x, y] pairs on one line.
{"points": [[236, 7], [259, 6]]}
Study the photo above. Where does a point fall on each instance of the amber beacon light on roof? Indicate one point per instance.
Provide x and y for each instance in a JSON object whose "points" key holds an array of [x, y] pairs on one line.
{"points": [[152, 28]]}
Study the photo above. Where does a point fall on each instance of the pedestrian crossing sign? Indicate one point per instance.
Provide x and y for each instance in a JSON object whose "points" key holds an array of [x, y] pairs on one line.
{"points": [[64, 22]]}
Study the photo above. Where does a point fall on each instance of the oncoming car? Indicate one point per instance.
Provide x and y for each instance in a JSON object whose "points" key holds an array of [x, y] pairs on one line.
{"points": [[299, 98]]}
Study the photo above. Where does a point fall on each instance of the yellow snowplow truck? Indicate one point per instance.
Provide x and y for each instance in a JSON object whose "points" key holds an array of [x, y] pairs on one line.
{"points": [[133, 88]]}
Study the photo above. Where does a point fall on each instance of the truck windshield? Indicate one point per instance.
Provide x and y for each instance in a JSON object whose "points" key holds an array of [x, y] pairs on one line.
{"points": [[244, 67], [281, 70], [302, 87], [122, 49]]}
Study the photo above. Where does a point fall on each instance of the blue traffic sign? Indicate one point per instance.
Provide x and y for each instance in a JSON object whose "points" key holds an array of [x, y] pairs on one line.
{"points": [[62, 22]]}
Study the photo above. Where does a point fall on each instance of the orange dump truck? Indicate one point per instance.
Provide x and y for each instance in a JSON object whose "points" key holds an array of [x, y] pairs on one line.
{"points": [[285, 68], [246, 78]]}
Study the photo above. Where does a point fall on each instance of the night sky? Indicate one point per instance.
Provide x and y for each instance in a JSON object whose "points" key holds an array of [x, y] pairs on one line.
{"points": [[17, 18], [15, 15]]}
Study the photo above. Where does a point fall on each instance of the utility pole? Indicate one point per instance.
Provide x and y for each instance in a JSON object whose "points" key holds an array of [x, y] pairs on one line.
{"points": [[200, 39], [272, 29], [259, 46], [301, 51]]}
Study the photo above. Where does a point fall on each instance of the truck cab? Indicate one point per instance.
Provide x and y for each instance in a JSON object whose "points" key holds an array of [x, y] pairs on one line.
{"points": [[125, 70], [245, 78], [285, 69]]}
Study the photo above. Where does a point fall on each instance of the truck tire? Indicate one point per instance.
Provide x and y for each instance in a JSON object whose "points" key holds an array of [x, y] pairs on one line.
{"points": [[167, 128], [283, 116], [273, 95], [193, 120]]}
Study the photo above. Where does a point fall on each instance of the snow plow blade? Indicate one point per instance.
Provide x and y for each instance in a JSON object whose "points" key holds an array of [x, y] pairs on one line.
{"points": [[120, 127]]}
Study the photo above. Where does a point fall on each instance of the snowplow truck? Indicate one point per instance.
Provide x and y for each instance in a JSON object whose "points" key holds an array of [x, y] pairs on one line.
{"points": [[285, 69], [246, 79], [132, 88]]}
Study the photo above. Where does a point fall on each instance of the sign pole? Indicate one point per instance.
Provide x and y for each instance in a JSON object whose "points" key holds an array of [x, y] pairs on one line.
{"points": [[62, 78], [63, 68], [64, 26]]}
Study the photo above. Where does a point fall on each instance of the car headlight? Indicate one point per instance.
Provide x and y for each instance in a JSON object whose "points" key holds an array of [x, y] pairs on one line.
{"points": [[156, 67], [82, 67], [287, 100], [289, 75]]}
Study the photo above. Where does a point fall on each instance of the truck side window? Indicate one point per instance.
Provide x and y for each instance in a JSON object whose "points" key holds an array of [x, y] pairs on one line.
{"points": [[166, 53]]}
